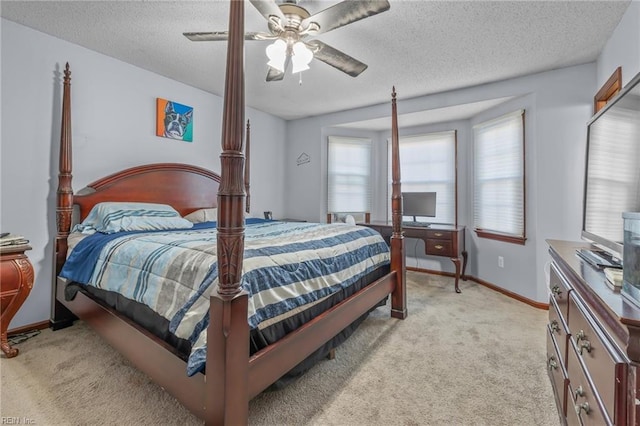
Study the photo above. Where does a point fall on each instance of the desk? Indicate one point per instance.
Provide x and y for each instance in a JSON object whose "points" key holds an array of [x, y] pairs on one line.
{"points": [[439, 240]]}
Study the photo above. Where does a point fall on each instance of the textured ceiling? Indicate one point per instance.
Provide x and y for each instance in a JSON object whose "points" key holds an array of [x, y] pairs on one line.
{"points": [[421, 47]]}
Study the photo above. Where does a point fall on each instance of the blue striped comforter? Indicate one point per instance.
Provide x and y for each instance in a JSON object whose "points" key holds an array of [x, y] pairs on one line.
{"points": [[287, 266]]}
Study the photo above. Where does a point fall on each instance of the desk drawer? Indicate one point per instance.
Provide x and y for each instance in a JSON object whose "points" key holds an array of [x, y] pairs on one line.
{"points": [[601, 360], [440, 248], [436, 234]]}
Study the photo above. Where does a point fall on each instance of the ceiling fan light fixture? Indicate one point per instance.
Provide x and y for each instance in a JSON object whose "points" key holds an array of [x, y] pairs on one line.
{"points": [[301, 58], [277, 54]]}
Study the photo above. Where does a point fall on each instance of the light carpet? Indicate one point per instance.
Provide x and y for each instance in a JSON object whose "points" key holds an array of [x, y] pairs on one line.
{"points": [[476, 358]]}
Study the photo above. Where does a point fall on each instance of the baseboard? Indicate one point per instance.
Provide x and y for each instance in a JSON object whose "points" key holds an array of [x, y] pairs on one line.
{"points": [[36, 326], [519, 298]]}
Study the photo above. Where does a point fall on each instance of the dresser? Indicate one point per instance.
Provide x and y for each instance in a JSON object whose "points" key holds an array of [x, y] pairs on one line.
{"points": [[593, 343], [16, 281], [439, 240]]}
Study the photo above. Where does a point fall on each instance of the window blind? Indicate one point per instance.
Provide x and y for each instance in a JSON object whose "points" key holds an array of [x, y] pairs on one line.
{"points": [[428, 164], [499, 175], [349, 175]]}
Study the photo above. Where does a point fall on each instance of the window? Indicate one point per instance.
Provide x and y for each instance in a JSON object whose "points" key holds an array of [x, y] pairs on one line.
{"points": [[499, 201], [349, 174], [428, 164]]}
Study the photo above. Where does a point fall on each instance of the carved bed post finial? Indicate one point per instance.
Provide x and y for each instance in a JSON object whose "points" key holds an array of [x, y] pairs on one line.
{"points": [[64, 206], [398, 297], [247, 167], [231, 191], [226, 398]]}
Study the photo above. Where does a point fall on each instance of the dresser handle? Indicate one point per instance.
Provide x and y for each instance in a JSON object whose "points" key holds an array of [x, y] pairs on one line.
{"points": [[554, 325], [584, 406], [439, 234], [585, 345], [556, 290], [579, 391], [439, 247], [579, 336], [551, 363]]}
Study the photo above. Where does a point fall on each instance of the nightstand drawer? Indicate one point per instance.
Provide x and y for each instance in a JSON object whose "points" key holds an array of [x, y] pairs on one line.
{"points": [[9, 277], [440, 248]]}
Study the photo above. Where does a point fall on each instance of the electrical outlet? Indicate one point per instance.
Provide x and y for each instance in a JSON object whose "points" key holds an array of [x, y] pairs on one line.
{"points": [[500, 262]]}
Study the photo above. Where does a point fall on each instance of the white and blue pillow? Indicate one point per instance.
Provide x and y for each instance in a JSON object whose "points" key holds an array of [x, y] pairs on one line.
{"points": [[110, 217]]}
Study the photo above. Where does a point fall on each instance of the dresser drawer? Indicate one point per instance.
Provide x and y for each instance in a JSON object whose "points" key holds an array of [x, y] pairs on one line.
{"points": [[557, 374], [440, 248], [602, 362], [559, 291], [558, 328], [582, 399]]}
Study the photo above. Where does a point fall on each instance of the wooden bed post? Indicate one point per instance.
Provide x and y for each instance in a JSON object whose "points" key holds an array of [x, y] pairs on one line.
{"points": [[60, 316], [227, 376], [247, 167], [399, 295]]}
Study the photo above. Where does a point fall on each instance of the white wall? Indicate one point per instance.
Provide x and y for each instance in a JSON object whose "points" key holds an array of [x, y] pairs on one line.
{"points": [[557, 103], [113, 119], [623, 48]]}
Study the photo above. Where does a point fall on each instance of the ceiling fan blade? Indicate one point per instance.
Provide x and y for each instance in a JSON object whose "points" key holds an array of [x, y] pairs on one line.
{"points": [[224, 35], [345, 13], [274, 75], [337, 59], [269, 8]]}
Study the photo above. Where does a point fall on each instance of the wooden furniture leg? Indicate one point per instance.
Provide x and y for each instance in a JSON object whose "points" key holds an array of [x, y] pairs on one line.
{"points": [[456, 262]]}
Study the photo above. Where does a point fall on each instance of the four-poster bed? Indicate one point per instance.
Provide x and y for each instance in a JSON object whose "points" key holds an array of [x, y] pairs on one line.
{"points": [[233, 374]]}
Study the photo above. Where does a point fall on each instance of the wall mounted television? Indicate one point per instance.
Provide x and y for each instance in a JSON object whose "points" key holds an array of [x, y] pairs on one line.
{"points": [[419, 204], [612, 174]]}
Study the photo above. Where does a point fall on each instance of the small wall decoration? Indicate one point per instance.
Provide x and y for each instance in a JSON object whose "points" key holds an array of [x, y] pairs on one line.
{"points": [[303, 159], [174, 120]]}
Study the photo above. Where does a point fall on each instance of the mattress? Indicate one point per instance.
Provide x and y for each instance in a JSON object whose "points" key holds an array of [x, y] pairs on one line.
{"points": [[162, 280]]}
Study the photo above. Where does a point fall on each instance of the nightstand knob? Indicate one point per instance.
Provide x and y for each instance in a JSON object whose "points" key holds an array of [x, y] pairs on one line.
{"points": [[439, 247]]}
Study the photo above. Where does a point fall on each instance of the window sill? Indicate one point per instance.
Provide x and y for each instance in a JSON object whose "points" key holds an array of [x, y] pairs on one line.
{"points": [[501, 237]]}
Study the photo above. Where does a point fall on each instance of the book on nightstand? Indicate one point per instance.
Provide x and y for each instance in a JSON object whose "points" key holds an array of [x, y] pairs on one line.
{"points": [[8, 239]]}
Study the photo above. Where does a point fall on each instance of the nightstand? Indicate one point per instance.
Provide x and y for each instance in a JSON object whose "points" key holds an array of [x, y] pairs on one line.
{"points": [[16, 281]]}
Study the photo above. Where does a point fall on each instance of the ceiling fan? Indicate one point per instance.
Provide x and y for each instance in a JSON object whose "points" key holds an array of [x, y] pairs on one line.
{"points": [[290, 25]]}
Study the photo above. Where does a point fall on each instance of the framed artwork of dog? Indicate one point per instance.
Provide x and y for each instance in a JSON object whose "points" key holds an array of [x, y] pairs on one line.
{"points": [[174, 120]]}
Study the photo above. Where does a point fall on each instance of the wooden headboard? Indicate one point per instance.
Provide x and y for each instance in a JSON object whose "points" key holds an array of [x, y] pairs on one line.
{"points": [[184, 187]]}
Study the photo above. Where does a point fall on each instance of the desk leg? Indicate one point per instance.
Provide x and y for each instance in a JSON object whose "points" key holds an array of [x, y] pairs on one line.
{"points": [[464, 265], [456, 262]]}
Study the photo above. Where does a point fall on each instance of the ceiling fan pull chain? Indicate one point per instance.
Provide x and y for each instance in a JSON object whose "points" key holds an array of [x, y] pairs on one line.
{"points": [[300, 81]]}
